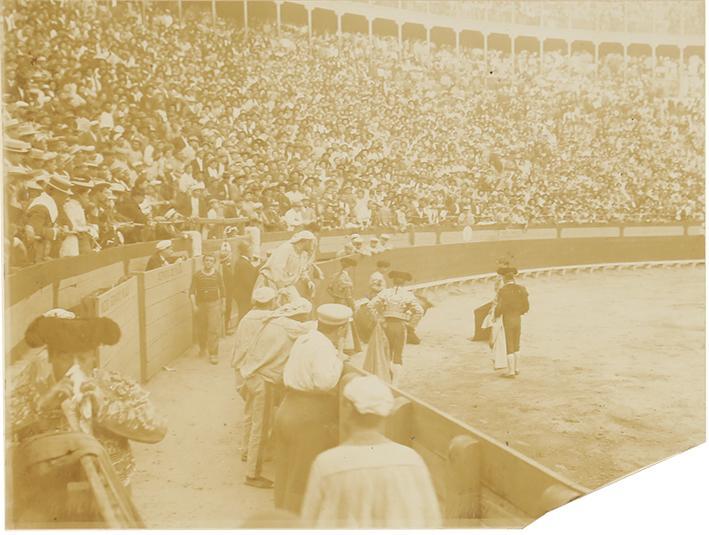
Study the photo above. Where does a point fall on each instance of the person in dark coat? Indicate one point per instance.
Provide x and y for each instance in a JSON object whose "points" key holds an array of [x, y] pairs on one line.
{"points": [[163, 256], [512, 304], [130, 209], [244, 277], [228, 278]]}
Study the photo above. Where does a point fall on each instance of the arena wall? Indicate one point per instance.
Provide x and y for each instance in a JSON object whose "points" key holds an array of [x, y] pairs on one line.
{"points": [[479, 481], [431, 255]]}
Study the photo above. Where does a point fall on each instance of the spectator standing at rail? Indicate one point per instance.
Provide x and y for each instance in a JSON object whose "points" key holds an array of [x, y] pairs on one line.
{"points": [[163, 256], [396, 307], [377, 280], [207, 294], [244, 278], [512, 304], [262, 372], [306, 421], [369, 481], [227, 271], [46, 217], [340, 290]]}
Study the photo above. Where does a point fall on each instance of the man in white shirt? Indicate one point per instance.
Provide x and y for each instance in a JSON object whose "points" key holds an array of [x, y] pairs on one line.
{"points": [[306, 421], [294, 216], [369, 481]]}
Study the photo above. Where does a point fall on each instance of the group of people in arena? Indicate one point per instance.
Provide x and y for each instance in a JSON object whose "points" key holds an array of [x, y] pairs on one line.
{"points": [[288, 359], [126, 124]]}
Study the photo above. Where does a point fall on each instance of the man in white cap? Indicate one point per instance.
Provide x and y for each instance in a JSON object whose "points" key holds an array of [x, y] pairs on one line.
{"points": [[369, 481], [263, 301], [287, 269], [386, 244], [359, 247], [306, 421], [163, 256], [262, 370], [375, 246]]}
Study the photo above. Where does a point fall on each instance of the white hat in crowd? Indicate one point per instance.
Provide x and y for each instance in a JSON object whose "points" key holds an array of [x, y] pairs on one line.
{"points": [[163, 245], [334, 314], [263, 295], [369, 395]]}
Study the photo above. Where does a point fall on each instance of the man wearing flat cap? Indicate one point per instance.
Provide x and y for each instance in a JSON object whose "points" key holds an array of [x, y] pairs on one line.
{"points": [[262, 371], [396, 307], [349, 484], [306, 421]]}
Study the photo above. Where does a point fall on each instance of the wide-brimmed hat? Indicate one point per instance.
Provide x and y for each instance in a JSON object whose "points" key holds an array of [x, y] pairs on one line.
{"points": [[60, 183], [82, 183]]}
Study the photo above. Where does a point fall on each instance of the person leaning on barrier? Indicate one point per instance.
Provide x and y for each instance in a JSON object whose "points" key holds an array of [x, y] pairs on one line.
{"points": [[114, 408], [262, 372], [306, 421], [163, 256], [369, 481], [207, 294], [45, 219], [245, 275]]}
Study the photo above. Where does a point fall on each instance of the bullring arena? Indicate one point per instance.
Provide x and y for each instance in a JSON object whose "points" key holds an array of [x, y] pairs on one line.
{"points": [[603, 394], [228, 221]]}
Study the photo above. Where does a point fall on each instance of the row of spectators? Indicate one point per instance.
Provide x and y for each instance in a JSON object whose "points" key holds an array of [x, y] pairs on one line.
{"points": [[152, 126], [645, 16]]}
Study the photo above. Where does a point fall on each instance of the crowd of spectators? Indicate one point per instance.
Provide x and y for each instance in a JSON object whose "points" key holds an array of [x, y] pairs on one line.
{"points": [[151, 124], [645, 16]]}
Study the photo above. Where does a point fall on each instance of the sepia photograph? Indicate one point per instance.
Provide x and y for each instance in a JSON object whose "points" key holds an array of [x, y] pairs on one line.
{"points": [[333, 264]]}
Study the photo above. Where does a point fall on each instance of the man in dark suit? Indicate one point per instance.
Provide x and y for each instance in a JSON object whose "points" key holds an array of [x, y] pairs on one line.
{"points": [[228, 278], [244, 277], [192, 203], [130, 209], [512, 304]]}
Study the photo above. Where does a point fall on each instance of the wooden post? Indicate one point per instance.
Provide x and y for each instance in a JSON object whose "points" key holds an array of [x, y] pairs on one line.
{"points": [[246, 18], [342, 422], [310, 26], [214, 12], [179, 9], [463, 471], [398, 424], [142, 329], [278, 17]]}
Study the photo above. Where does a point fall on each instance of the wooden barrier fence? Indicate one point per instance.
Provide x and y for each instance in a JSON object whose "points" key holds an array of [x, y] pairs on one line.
{"points": [[479, 481], [165, 313]]}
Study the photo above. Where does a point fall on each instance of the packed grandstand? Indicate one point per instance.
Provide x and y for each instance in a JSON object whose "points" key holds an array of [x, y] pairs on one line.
{"points": [[144, 123]]}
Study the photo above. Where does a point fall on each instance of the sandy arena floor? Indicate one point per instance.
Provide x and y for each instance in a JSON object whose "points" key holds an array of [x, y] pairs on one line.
{"points": [[612, 380], [612, 375]]}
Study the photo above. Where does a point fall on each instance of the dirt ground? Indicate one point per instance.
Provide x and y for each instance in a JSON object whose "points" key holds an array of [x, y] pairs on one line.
{"points": [[194, 477], [612, 380], [612, 374]]}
